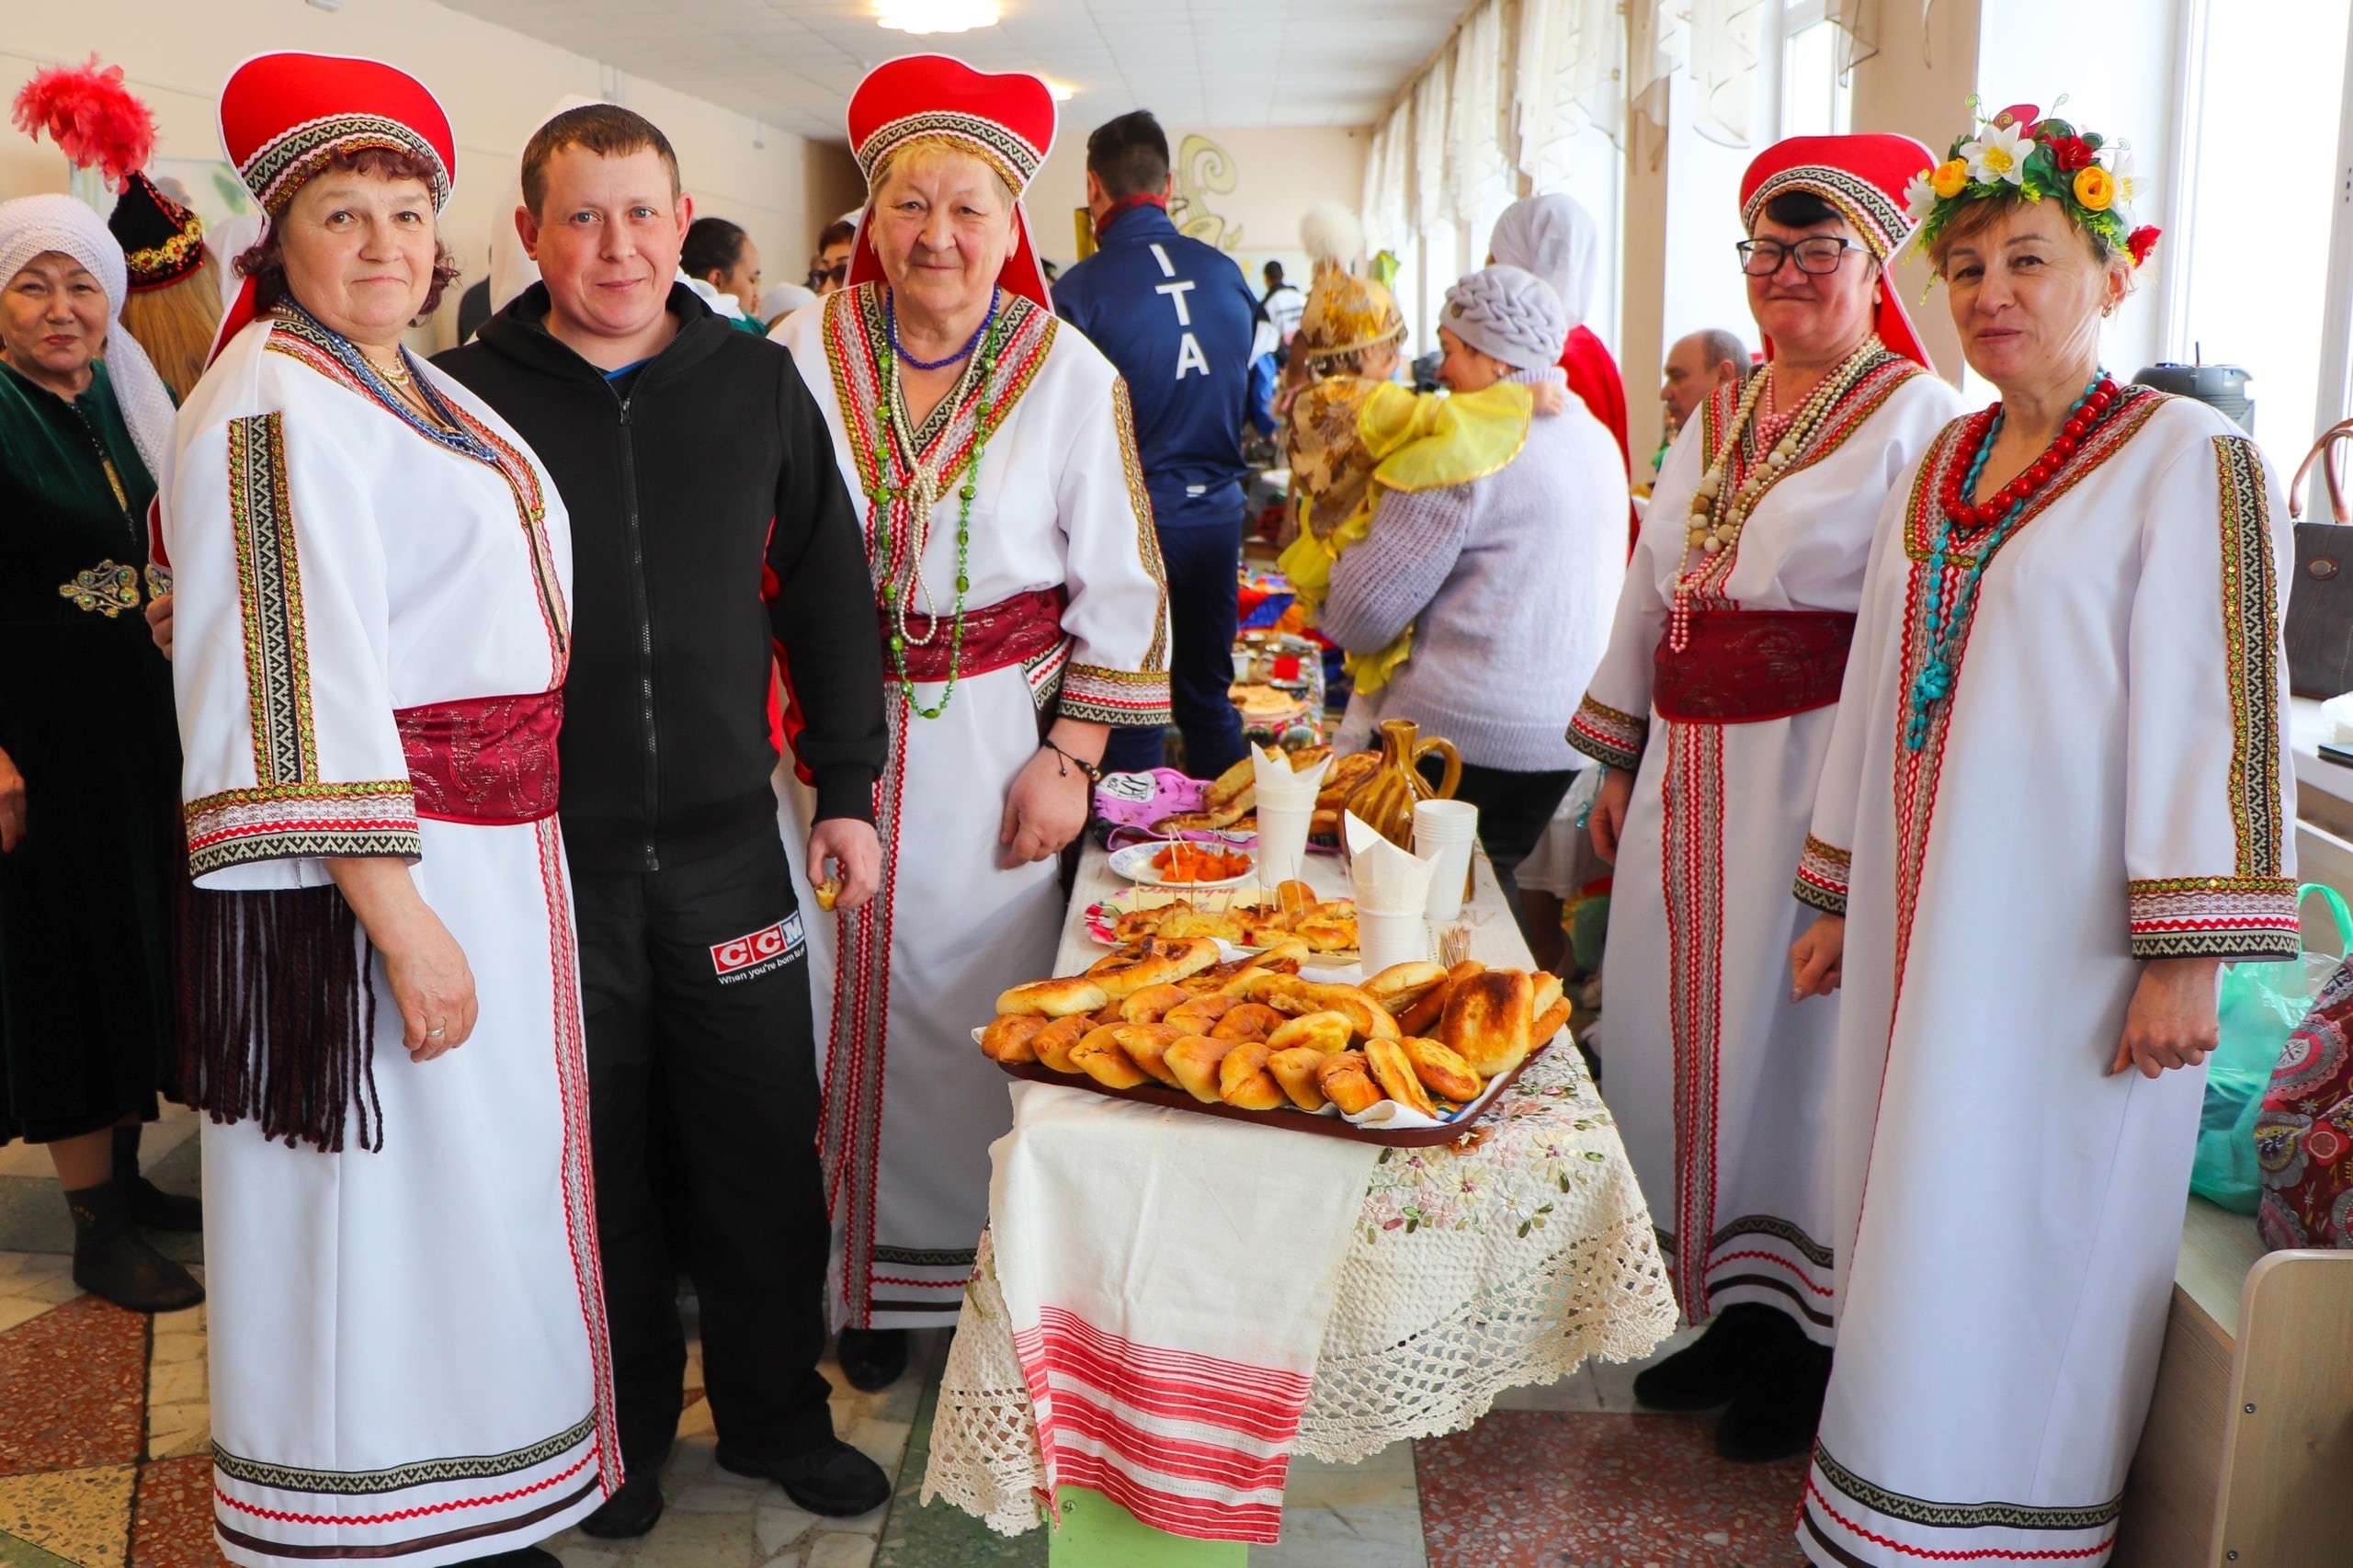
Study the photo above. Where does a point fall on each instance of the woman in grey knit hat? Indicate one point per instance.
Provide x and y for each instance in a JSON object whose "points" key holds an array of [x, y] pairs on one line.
{"points": [[1508, 580]]}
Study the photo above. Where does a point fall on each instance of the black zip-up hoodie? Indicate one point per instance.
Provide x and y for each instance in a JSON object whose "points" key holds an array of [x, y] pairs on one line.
{"points": [[707, 520]]}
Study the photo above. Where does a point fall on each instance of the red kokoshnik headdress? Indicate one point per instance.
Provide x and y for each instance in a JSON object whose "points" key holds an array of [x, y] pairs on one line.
{"points": [[1863, 177], [1007, 121], [284, 116]]}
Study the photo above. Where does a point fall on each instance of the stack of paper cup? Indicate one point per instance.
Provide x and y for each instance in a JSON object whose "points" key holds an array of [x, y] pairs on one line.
{"points": [[1391, 888], [1443, 833], [1286, 802]]}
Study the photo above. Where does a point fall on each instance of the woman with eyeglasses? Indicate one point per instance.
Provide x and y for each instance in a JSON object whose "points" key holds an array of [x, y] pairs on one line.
{"points": [[1712, 710], [829, 268]]}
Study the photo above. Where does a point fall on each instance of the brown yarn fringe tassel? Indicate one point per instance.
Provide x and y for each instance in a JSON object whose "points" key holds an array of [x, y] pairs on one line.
{"points": [[278, 1017]]}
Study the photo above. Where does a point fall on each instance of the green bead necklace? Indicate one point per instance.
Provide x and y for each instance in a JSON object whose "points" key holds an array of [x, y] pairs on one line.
{"points": [[923, 494]]}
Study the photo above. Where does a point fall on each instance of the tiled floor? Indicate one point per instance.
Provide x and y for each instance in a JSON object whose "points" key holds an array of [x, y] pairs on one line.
{"points": [[105, 1446]]}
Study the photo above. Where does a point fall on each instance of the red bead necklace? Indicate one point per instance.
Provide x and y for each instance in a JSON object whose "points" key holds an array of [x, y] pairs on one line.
{"points": [[2086, 417]]}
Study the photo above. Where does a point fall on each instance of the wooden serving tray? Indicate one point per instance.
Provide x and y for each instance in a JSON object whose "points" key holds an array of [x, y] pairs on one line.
{"points": [[1289, 1121]]}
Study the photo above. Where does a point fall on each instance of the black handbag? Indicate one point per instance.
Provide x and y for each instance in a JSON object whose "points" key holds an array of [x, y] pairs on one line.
{"points": [[2319, 601]]}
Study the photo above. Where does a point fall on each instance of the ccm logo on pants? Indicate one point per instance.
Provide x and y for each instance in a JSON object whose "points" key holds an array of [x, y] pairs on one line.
{"points": [[765, 950]]}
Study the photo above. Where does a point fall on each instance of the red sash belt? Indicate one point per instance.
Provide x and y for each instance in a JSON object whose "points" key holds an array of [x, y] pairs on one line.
{"points": [[488, 761], [1743, 666], [1010, 631]]}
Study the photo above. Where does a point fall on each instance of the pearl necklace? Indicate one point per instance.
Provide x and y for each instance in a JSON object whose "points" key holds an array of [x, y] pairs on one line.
{"points": [[1718, 515], [1942, 625]]}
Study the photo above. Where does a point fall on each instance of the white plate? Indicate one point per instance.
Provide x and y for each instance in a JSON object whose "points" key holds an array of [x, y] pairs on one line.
{"points": [[1134, 863]]}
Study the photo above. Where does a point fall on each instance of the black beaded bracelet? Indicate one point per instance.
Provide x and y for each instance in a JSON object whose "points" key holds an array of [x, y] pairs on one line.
{"points": [[1094, 774]]}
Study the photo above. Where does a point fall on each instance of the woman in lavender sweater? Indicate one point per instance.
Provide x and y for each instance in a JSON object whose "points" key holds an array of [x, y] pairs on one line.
{"points": [[1508, 581]]}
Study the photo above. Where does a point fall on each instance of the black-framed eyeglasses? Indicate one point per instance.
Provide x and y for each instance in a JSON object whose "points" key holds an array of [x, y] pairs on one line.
{"points": [[821, 274], [1820, 254]]}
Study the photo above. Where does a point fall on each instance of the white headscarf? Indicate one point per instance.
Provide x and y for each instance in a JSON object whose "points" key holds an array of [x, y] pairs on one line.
{"points": [[33, 224], [1558, 241], [512, 270]]}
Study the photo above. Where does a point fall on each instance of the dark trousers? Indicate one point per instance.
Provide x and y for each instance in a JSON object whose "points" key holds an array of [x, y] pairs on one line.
{"points": [[703, 1064], [1514, 810], [1201, 561]]}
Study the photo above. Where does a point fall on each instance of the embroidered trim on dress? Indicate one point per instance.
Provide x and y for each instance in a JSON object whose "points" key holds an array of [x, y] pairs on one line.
{"points": [[1147, 532], [1823, 870], [1961, 1515], [2250, 650], [269, 596], [1691, 864], [1780, 1230], [302, 820], [1608, 735], [1115, 697], [370, 1482], [2233, 917]]}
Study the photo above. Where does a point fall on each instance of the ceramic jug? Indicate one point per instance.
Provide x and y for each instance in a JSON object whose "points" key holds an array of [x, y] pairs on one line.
{"points": [[1386, 799]]}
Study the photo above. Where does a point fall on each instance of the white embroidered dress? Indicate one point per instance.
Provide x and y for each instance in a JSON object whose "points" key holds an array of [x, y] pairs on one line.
{"points": [[2110, 782], [911, 1107], [1720, 1086], [408, 1352]]}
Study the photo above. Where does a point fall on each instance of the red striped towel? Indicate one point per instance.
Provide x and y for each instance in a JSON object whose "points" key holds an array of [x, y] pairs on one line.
{"points": [[1169, 1277]]}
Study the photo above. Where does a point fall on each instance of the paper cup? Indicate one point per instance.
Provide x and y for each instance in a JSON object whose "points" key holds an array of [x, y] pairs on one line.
{"points": [[1444, 832], [1282, 841], [1385, 940]]}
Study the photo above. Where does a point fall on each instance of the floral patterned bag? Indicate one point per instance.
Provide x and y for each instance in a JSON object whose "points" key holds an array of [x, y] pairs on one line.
{"points": [[2303, 1136]]}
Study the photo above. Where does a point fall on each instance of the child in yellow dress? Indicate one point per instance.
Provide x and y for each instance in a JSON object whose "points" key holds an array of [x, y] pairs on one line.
{"points": [[1354, 433]]}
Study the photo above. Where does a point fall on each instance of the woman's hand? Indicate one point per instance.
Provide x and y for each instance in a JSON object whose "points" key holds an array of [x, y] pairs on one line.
{"points": [[1817, 958], [2171, 1022], [852, 846], [12, 806], [1608, 817], [159, 622], [432, 984], [1047, 804], [1550, 398]]}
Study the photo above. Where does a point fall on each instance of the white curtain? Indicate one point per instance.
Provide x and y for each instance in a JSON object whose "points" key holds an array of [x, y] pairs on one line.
{"points": [[1857, 25], [1569, 71], [1657, 33], [1388, 220], [1727, 39], [1429, 103], [1476, 159]]}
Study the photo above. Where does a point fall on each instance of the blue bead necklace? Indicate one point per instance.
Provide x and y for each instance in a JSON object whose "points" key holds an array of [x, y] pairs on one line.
{"points": [[1942, 626], [891, 317]]}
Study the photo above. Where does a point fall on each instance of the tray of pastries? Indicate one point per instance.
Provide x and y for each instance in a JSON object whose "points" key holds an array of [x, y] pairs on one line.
{"points": [[1252, 919], [1410, 1058], [1231, 804]]}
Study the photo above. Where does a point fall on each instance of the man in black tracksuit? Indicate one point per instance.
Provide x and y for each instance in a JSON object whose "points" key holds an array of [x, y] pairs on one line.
{"points": [[708, 521]]}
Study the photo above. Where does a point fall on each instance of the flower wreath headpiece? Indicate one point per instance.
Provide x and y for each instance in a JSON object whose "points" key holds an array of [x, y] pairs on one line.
{"points": [[2042, 159]]}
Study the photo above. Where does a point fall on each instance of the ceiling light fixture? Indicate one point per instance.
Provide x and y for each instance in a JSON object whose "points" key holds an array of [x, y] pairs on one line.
{"points": [[1062, 91], [935, 15]]}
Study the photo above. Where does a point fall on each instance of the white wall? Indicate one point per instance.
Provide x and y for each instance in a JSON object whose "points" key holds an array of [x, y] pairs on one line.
{"points": [[1277, 172], [496, 85]]}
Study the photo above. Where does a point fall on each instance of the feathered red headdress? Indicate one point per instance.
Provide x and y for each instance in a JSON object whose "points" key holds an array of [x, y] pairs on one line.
{"points": [[90, 114]]}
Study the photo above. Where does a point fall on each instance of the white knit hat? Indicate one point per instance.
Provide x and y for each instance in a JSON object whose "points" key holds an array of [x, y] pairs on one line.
{"points": [[1511, 314]]}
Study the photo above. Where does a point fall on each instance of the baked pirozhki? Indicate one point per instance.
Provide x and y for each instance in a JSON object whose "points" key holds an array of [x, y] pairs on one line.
{"points": [[1194, 1058], [1393, 1071], [1054, 1043], [1321, 1032], [1401, 985], [1055, 998], [1197, 1015], [1147, 1046], [1243, 1079], [1489, 1019], [1147, 1005], [1346, 1081], [1247, 1021], [1008, 1038], [1155, 961], [1295, 1069], [1441, 1071], [1229, 786]]}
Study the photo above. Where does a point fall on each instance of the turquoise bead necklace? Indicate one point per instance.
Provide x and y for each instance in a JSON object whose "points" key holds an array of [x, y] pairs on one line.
{"points": [[1942, 625], [922, 495]]}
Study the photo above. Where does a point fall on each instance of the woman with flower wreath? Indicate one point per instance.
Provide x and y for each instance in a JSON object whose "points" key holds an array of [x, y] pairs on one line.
{"points": [[1018, 588], [2057, 800], [1711, 710]]}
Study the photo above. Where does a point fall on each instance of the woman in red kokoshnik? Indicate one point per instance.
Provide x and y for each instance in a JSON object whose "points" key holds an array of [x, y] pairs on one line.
{"points": [[1712, 709], [1018, 593], [370, 634]]}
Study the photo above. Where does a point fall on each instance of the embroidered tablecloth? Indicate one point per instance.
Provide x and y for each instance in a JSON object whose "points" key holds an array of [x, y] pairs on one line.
{"points": [[1495, 1263]]}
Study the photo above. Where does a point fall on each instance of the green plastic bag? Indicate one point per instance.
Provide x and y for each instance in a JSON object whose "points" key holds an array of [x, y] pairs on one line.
{"points": [[2261, 1005]]}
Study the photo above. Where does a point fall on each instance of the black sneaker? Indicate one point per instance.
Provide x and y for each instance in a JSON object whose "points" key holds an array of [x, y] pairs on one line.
{"points": [[835, 1479], [631, 1512], [872, 1358], [1713, 1370], [1777, 1416]]}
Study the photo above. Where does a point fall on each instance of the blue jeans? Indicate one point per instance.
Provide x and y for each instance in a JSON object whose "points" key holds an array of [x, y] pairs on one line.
{"points": [[1203, 560]]}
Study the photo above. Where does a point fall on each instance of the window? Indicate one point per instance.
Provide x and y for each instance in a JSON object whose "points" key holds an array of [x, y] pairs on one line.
{"points": [[2249, 245], [1815, 100]]}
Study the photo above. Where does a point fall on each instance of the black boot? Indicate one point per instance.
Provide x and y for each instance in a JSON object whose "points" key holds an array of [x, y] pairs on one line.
{"points": [[1775, 1416], [631, 1511], [150, 1206], [521, 1557], [872, 1358], [833, 1479], [1719, 1364], [111, 1260]]}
